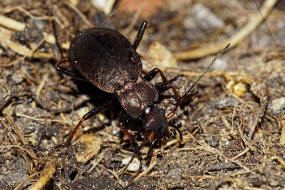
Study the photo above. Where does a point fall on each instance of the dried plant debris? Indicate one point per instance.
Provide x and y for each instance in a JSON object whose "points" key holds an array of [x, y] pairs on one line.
{"points": [[233, 126]]}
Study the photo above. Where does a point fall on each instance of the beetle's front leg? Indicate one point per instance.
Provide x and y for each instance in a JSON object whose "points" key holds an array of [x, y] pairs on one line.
{"points": [[166, 84]]}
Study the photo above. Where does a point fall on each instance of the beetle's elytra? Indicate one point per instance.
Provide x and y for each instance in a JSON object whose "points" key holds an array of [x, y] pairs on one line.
{"points": [[105, 57]]}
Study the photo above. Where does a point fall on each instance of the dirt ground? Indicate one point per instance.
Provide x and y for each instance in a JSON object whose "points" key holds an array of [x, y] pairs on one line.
{"points": [[233, 128]]}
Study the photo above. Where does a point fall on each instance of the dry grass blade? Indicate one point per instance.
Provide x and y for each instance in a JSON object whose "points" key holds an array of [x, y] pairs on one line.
{"points": [[148, 169], [46, 176], [209, 49], [11, 23], [21, 49]]}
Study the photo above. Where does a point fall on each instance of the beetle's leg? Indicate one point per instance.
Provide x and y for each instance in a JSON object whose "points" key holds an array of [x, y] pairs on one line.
{"points": [[87, 116], [163, 87], [178, 103], [123, 122], [171, 123], [164, 97], [129, 136], [167, 84], [140, 34], [64, 70], [150, 150], [152, 73]]}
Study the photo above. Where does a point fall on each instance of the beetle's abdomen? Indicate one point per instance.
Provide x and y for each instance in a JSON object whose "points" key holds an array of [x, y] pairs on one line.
{"points": [[105, 57]]}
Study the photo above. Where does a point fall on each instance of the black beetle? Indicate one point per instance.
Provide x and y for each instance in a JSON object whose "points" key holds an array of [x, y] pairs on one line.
{"points": [[110, 62]]}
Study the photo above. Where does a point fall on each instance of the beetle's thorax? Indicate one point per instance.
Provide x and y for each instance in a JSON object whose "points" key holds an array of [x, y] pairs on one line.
{"points": [[136, 96]]}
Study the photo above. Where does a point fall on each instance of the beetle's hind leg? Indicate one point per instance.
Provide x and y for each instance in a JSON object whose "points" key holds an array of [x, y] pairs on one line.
{"points": [[87, 116], [67, 71]]}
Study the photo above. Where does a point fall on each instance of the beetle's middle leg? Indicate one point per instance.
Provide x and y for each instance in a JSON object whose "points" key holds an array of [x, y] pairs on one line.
{"points": [[123, 123], [87, 116]]}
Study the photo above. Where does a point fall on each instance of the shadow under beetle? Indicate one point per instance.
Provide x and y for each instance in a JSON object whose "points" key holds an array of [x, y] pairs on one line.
{"points": [[109, 61]]}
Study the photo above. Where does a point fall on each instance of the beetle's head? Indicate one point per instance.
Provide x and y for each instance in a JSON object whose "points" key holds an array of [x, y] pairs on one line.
{"points": [[155, 122]]}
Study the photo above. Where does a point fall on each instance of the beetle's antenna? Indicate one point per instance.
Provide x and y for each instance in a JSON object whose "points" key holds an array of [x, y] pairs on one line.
{"points": [[190, 90], [208, 69]]}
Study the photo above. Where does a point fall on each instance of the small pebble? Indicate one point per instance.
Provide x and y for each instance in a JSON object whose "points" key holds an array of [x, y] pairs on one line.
{"points": [[225, 102], [104, 5], [273, 182], [277, 106], [161, 56], [205, 18], [220, 65], [134, 166]]}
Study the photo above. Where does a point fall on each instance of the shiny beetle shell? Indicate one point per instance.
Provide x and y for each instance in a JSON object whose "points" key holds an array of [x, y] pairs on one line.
{"points": [[105, 57]]}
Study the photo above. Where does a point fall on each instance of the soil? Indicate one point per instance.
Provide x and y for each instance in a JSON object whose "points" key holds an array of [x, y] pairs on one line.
{"points": [[233, 127]]}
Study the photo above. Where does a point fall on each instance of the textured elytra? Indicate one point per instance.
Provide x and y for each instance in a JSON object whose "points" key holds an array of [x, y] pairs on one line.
{"points": [[105, 57]]}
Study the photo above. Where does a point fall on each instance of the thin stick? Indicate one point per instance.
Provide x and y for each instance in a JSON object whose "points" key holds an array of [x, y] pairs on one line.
{"points": [[269, 30], [80, 14]]}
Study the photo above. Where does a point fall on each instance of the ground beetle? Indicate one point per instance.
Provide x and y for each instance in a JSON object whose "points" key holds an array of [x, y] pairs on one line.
{"points": [[110, 62]]}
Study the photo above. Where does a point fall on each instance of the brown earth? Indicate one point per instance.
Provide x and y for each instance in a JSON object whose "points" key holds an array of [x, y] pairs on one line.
{"points": [[233, 129]]}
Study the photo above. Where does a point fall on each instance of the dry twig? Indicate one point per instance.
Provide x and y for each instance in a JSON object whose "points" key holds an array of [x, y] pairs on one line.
{"points": [[282, 138], [152, 164], [260, 91]]}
